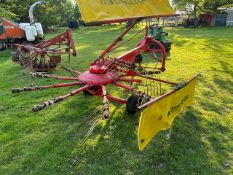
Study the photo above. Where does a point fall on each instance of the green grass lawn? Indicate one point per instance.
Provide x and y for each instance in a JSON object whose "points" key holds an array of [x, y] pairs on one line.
{"points": [[54, 141]]}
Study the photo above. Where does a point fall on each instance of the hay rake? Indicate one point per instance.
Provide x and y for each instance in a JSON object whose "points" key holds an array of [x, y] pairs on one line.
{"points": [[133, 71], [127, 68]]}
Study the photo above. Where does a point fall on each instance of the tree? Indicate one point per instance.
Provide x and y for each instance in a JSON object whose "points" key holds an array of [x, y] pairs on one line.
{"points": [[6, 13], [55, 12], [213, 6], [206, 6]]}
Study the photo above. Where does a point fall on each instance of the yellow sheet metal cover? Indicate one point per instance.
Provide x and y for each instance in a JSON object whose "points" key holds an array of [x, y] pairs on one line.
{"points": [[121, 10], [160, 115]]}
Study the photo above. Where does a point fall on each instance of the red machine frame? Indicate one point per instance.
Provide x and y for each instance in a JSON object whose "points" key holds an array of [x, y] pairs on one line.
{"points": [[116, 71], [44, 49], [103, 72]]}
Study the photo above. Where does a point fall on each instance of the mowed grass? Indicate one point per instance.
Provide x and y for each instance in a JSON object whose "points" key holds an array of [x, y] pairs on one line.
{"points": [[57, 141]]}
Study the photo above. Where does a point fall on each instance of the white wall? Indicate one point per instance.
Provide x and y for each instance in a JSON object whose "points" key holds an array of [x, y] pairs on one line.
{"points": [[230, 16]]}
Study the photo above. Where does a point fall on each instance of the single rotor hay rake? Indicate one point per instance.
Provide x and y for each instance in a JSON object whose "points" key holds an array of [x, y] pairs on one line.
{"points": [[105, 71], [141, 66], [46, 55]]}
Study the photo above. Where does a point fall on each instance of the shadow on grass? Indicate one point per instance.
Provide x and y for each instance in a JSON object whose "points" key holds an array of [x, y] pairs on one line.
{"points": [[180, 150], [226, 68], [224, 83]]}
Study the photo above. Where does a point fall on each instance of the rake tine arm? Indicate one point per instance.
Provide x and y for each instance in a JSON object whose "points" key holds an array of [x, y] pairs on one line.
{"points": [[73, 72], [129, 88], [105, 103], [156, 79], [58, 99], [118, 100], [41, 75], [38, 88], [150, 72], [130, 80]]}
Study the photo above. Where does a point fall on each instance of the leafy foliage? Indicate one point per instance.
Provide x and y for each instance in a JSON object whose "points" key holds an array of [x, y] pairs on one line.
{"points": [[207, 6], [5, 13], [54, 12]]}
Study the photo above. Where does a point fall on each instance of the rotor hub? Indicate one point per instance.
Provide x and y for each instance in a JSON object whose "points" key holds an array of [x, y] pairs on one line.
{"points": [[97, 68], [98, 79]]}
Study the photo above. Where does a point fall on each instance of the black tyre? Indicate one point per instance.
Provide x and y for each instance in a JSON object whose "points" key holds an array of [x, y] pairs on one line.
{"points": [[2, 45], [196, 23], [132, 104], [186, 24], [139, 59]]}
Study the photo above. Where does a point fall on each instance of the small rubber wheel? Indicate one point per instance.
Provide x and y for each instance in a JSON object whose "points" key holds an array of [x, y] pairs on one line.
{"points": [[132, 104], [2, 45]]}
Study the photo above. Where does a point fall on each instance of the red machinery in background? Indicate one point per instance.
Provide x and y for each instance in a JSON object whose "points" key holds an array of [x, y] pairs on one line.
{"points": [[46, 55], [13, 33], [10, 32], [31, 50]]}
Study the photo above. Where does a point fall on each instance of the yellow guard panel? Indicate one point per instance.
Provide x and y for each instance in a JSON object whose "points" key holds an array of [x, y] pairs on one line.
{"points": [[161, 114], [122, 10]]}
